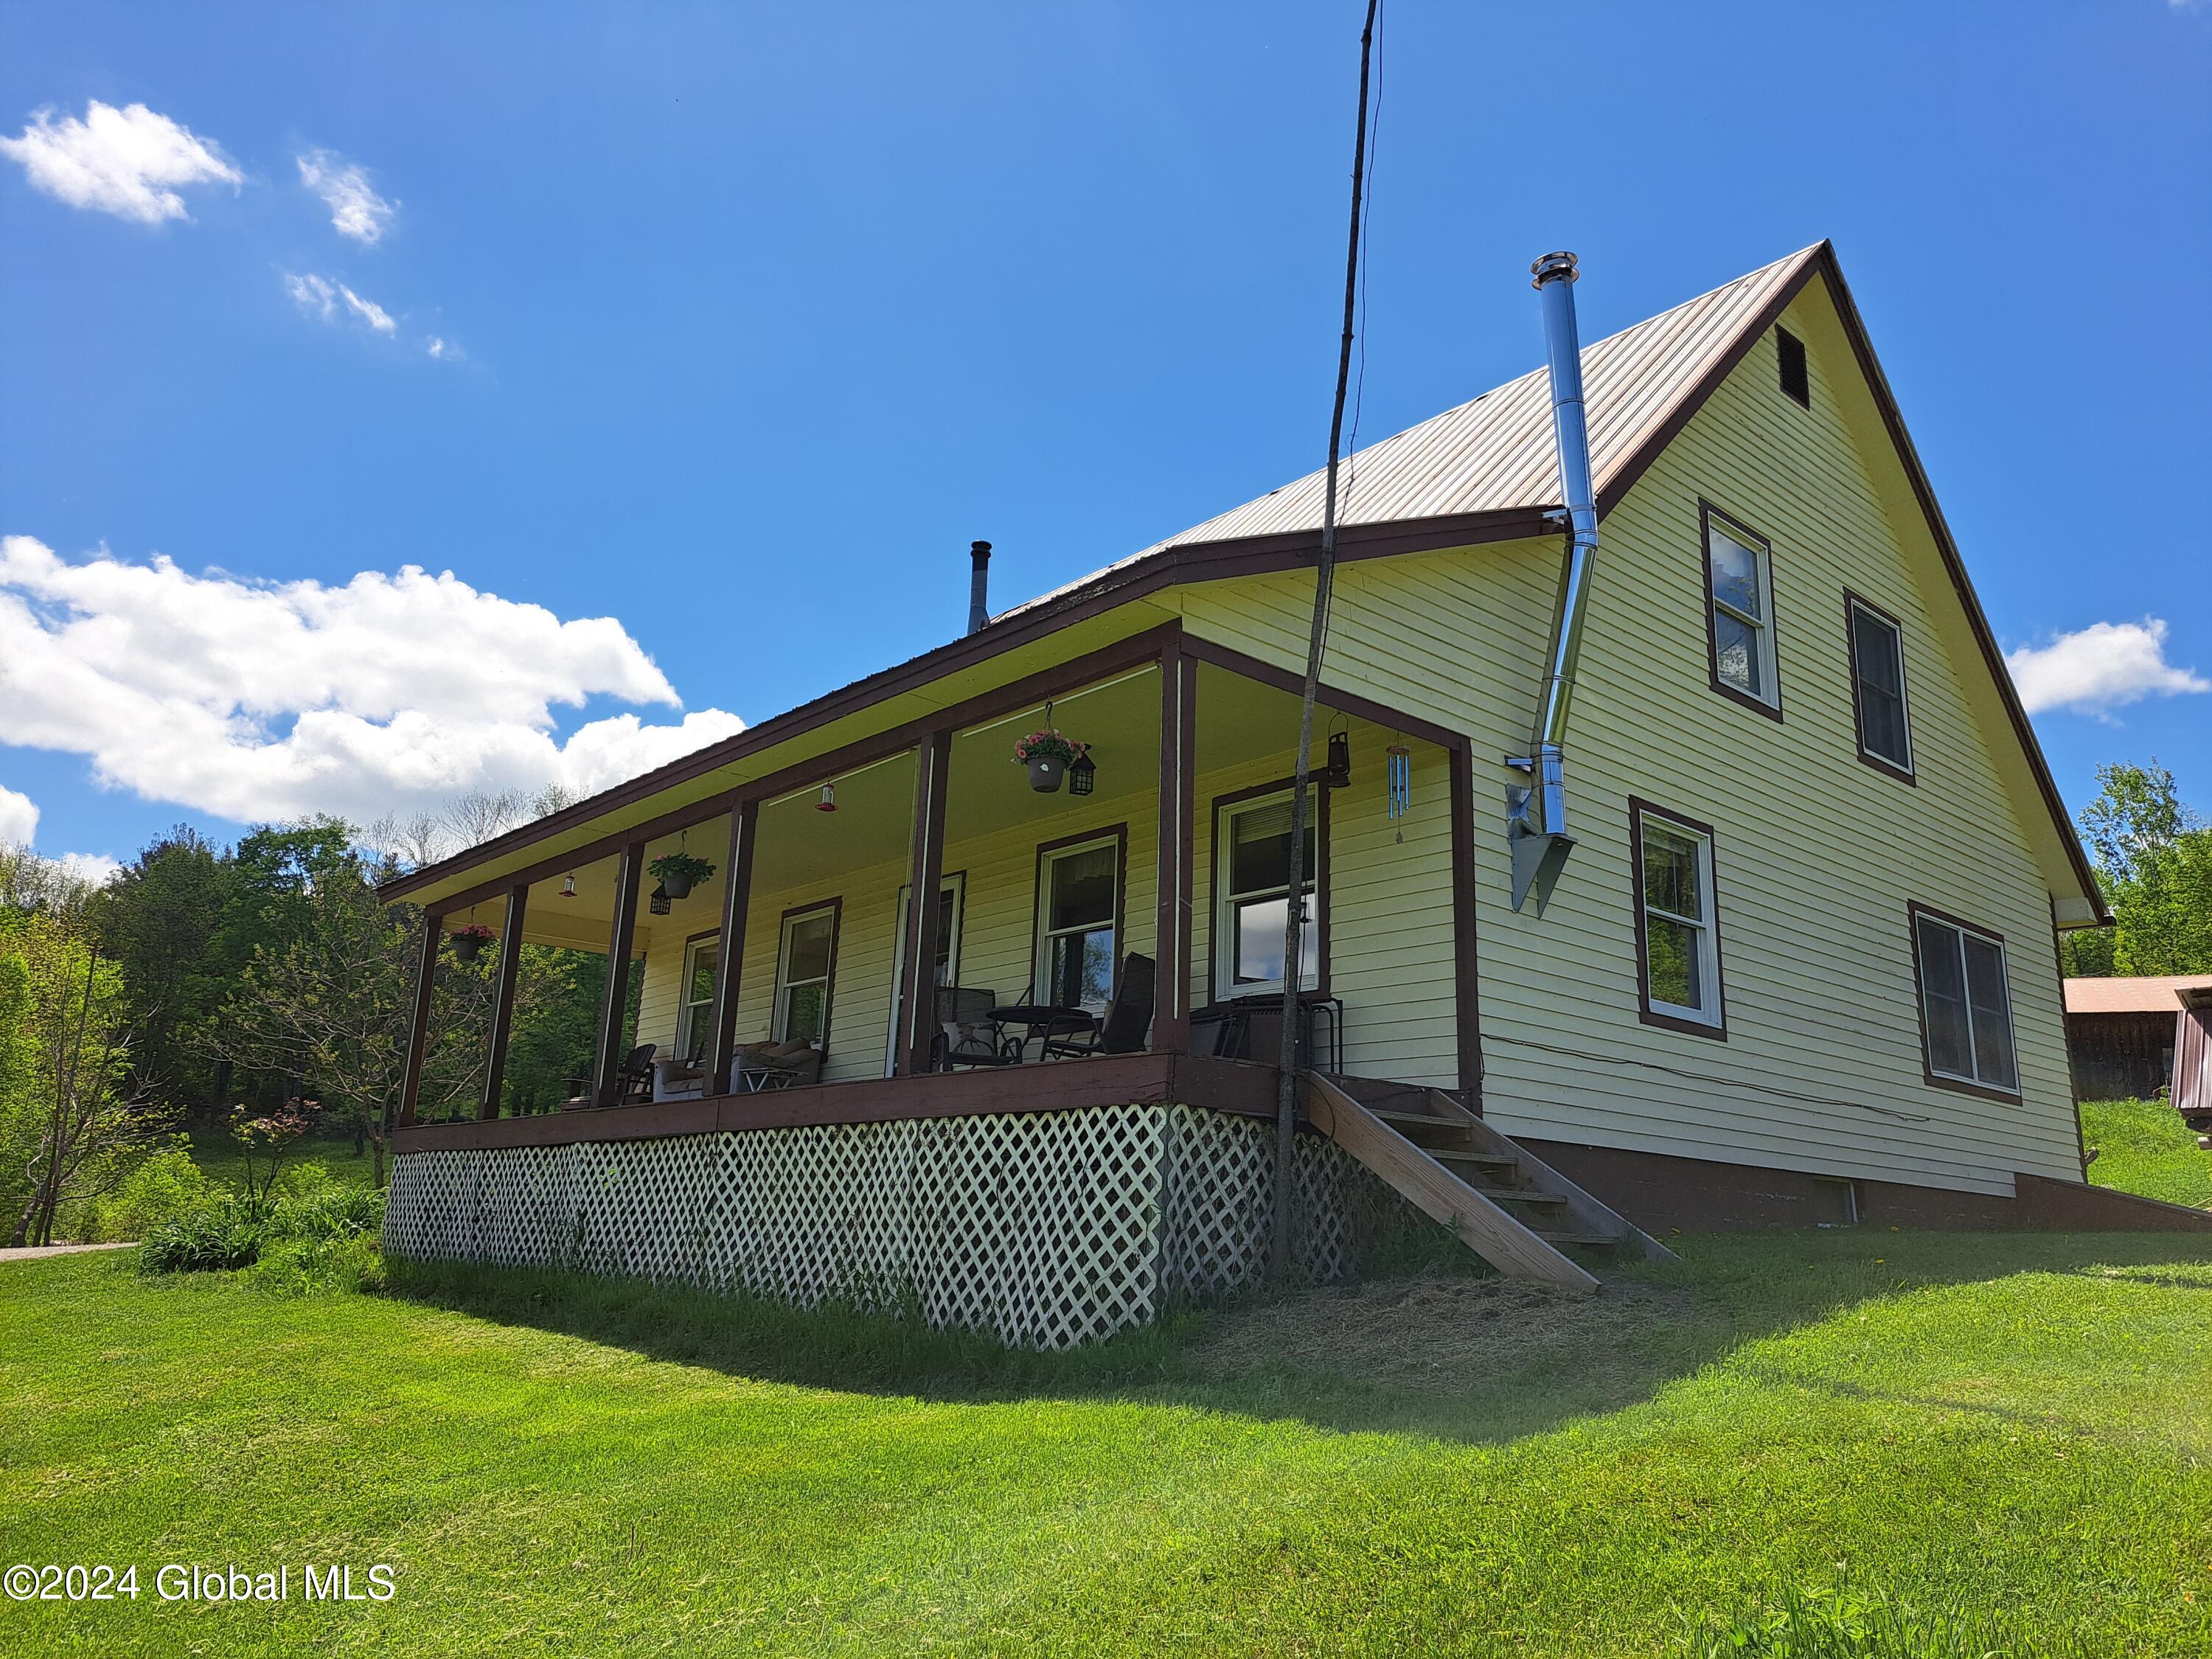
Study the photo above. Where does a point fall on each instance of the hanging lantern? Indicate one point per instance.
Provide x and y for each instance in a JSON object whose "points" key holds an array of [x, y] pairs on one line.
{"points": [[569, 887], [829, 801], [1337, 774], [658, 901], [1082, 775]]}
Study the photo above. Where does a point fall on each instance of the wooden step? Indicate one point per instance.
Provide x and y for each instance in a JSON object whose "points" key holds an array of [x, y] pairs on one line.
{"points": [[1460, 1155], [1557, 1238], [1392, 1115], [1519, 1195]]}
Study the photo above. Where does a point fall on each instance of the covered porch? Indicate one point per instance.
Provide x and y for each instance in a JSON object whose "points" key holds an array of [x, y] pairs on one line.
{"points": [[1119, 945]]}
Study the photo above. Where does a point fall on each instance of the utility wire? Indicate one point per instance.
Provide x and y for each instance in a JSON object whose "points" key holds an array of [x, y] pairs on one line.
{"points": [[1287, 1085]]}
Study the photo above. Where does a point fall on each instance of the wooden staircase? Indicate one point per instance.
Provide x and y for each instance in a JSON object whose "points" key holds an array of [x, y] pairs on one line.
{"points": [[1511, 1209]]}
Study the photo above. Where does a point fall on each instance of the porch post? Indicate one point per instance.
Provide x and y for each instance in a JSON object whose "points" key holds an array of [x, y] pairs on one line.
{"points": [[1466, 983], [502, 998], [730, 961], [917, 1010], [1178, 783], [418, 1029], [615, 1000]]}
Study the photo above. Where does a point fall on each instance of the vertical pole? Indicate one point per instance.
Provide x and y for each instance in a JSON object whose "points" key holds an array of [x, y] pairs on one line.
{"points": [[418, 1029], [1466, 981], [730, 962], [615, 1001], [1178, 766], [917, 1010], [502, 997]]}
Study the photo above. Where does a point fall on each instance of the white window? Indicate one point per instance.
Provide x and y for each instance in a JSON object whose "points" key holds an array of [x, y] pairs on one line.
{"points": [[694, 1014], [1078, 920], [1878, 687], [804, 969], [1252, 877], [1739, 589], [1677, 925], [1966, 1006]]}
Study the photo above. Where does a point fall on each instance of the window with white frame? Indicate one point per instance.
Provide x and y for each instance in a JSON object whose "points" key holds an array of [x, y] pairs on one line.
{"points": [[1677, 921], [694, 1014], [1966, 1006], [1740, 595], [1078, 918], [805, 966], [1252, 879], [1878, 686]]}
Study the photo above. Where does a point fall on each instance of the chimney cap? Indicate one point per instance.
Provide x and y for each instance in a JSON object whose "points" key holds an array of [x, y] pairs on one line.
{"points": [[978, 547], [1552, 267]]}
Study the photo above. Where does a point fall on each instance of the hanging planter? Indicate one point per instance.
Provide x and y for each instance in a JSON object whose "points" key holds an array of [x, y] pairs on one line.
{"points": [[678, 872], [470, 940], [1047, 754]]}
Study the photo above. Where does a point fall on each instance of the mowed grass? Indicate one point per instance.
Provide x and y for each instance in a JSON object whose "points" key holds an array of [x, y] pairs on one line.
{"points": [[2143, 1147], [2010, 1434]]}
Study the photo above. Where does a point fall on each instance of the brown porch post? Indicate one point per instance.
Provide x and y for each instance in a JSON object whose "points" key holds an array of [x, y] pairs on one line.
{"points": [[917, 1010], [729, 964], [502, 998], [1178, 783], [616, 999], [418, 1029], [1466, 984]]}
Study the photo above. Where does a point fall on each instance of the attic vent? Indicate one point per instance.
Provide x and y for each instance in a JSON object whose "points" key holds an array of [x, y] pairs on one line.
{"points": [[1791, 350]]}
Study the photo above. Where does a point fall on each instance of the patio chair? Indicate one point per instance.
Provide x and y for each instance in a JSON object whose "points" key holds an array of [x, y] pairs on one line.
{"points": [[1128, 1018], [635, 1082], [679, 1079], [966, 1033], [764, 1065]]}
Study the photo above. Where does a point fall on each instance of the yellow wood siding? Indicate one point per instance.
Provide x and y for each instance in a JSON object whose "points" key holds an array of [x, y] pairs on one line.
{"points": [[1818, 853]]}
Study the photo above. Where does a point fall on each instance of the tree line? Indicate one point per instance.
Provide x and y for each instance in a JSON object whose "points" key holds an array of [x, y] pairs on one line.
{"points": [[205, 985]]}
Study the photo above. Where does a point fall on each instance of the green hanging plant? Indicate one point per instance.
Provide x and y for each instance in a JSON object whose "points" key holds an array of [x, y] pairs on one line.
{"points": [[678, 872]]}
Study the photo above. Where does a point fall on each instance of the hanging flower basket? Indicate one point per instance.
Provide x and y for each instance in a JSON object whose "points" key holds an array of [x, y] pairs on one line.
{"points": [[469, 940], [678, 872], [1047, 753]]}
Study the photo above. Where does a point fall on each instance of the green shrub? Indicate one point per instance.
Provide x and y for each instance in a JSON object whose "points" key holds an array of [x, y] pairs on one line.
{"points": [[165, 1187], [324, 1238], [227, 1231]]}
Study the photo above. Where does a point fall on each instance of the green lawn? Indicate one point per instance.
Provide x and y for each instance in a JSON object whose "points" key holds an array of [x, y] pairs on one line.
{"points": [[2142, 1147], [2010, 1438]]}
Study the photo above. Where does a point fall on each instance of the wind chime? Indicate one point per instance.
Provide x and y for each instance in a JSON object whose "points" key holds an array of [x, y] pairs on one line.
{"points": [[1400, 771]]}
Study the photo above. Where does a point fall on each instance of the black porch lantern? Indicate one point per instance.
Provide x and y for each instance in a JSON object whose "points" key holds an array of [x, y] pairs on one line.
{"points": [[1082, 775], [1338, 773]]}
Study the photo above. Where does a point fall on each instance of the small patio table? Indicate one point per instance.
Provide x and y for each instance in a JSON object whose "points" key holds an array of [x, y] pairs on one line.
{"points": [[1042, 1020]]}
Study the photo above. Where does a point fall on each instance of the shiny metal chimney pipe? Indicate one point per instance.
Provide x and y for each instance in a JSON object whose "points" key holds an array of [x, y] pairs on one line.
{"points": [[1541, 847], [979, 583]]}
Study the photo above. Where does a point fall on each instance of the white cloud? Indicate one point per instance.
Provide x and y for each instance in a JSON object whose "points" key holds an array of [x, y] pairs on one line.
{"points": [[369, 312], [390, 694], [444, 350], [318, 296], [2099, 668], [19, 817], [356, 210], [128, 163], [94, 869]]}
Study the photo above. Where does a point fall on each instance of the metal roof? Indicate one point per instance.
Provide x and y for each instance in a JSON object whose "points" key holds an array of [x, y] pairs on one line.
{"points": [[2149, 993], [1495, 452]]}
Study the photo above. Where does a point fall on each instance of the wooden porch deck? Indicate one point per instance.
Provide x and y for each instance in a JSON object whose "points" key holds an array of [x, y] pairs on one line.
{"points": [[1221, 1086]]}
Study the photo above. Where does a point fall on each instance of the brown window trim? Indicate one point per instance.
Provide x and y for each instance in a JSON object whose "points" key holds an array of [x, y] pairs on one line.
{"points": [[835, 907], [1119, 832], [1707, 513], [1638, 810], [1914, 910], [1889, 768], [1237, 797]]}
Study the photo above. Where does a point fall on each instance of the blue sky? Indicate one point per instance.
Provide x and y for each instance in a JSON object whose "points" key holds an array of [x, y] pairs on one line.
{"points": [[747, 320]]}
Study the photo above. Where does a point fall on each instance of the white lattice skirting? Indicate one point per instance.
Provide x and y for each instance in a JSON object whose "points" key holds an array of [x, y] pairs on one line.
{"points": [[1045, 1229]]}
